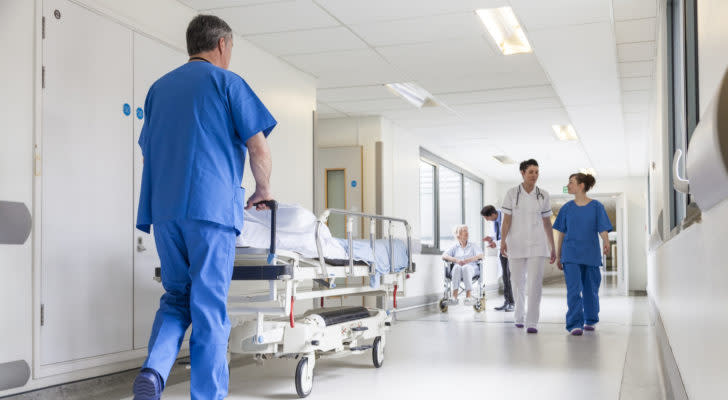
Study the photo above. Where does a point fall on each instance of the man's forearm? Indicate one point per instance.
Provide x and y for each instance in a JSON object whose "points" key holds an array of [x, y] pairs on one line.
{"points": [[261, 163]]}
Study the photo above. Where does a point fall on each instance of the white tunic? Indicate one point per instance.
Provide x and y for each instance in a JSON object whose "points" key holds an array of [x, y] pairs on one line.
{"points": [[526, 237]]}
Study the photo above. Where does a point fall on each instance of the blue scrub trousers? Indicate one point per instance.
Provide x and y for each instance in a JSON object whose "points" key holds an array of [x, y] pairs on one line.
{"points": [[197, 265], [582, 295]]}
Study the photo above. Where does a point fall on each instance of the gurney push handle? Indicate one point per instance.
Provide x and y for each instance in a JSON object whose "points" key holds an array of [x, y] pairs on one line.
{"points": [[273, 205]]}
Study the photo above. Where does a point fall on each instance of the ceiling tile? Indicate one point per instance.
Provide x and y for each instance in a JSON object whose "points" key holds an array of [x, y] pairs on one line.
{"points": [[638, 30], [336, 69], [308, 41], [210, 4], [636, 97], [539, 14], [420, 30], [636, 69], [372, 106], [276, 17], [580, 61], [633, 9], [643, 51], [508, 107], [354, 93], [356, 11], [496, 95], [322, 108], [632, 84]]}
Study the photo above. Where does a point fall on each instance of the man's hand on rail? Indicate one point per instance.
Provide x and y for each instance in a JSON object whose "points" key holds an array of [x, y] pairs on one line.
{"points": [[257, 197]]}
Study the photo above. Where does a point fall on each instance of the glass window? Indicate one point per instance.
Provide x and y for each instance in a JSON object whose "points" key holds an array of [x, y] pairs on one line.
{"points": [[450, 204], [427, 204], [473, 205]]}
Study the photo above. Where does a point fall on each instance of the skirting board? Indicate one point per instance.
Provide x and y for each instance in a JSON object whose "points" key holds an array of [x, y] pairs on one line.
{"points": [[674, 387]]}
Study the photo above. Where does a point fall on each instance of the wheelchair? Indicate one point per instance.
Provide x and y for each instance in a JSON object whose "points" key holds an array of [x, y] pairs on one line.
{"points": [[478, 292]]}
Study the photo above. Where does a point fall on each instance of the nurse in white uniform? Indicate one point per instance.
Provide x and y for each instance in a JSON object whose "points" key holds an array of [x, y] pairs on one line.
{"points": [[527, 239]]}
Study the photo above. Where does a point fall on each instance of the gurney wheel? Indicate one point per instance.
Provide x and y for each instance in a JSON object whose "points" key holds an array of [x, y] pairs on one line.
{"points": [[443, 305], [304, 378], [378, 352]]}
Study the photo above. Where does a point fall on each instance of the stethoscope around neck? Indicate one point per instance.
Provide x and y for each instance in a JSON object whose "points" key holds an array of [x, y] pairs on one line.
{"points": [[539, 195]]}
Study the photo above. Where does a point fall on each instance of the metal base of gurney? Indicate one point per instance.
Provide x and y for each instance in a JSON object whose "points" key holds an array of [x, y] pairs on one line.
{"points": [[330, 332]]}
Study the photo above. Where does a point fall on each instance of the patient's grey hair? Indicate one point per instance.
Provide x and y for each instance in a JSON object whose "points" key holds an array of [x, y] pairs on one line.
{"points": [[456, 230], [204, 31]]}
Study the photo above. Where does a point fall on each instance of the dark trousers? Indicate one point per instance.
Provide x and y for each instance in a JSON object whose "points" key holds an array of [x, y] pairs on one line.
{"points": [[507, 290]]}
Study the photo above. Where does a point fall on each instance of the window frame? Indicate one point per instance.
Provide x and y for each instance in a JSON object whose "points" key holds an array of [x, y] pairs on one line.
{"points": [[438, 162], [683, 95]]}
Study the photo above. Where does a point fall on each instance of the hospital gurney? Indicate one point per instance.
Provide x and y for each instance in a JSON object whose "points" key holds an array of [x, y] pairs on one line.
{"points": [[276, 332]]}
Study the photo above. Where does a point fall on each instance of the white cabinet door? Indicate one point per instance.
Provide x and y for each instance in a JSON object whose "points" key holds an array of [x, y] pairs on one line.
{"points": [[151, 60], [86, 185]]}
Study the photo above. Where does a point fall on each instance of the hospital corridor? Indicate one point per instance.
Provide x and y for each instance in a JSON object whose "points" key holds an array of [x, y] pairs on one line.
{"points": [[380, 199]]}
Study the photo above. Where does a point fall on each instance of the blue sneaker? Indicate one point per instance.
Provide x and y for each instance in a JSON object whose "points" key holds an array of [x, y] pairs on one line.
{"points": [[148, 385]]}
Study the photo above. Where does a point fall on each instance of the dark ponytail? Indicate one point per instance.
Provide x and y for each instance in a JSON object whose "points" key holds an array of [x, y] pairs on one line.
{"points": [[587, 179]]}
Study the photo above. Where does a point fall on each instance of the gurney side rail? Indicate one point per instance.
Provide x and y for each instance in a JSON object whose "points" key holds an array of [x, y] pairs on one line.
{"points": [[372, 236]]}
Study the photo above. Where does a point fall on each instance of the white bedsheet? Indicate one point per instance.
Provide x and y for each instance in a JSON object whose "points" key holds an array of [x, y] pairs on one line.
{"points": [[295, 231]]}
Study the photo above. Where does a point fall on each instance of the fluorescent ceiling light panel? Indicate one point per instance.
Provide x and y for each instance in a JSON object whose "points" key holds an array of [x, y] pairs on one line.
{"points": [[565, 133], [505, 29], [505, 160], [413, 93], [588, 171]]}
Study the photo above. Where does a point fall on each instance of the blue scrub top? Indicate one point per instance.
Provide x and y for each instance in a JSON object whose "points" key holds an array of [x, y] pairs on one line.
{"points": [[581, 226], [197, 121]]}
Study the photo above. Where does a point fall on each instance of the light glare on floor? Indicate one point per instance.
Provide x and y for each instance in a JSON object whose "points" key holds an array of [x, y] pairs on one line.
{"points": [[505, 29]]}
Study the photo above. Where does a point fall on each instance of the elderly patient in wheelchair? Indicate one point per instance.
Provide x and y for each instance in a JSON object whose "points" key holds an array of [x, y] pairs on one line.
{"points": [[465, 259]]}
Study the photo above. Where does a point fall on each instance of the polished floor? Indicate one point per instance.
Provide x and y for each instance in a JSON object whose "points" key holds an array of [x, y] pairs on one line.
{"points": [[462, 354]]}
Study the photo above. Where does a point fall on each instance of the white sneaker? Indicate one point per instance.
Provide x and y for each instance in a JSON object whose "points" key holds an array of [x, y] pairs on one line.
{"points": [[454, 301], [468, 301]]}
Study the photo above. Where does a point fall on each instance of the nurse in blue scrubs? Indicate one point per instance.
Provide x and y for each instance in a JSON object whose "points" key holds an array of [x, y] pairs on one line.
{"points": [[201, 122], [580, 223]]}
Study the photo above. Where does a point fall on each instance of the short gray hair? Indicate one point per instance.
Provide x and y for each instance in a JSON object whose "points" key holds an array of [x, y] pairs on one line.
{"points": [[204, 31], [456, 230]]}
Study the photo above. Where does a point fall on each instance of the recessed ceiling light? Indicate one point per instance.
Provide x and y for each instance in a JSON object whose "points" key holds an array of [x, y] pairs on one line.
{"points": [[503, 159], [413, 93], [565, 133], [505, 29], [588, 171]]}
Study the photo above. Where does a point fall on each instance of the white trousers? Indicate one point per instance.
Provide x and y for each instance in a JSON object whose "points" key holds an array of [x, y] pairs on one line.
{"points": [[527, 269], [464, 273]]}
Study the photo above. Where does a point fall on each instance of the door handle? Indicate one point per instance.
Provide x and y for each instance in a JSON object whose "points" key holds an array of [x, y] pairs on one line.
{"points": [[140, 246], [680, 184]]}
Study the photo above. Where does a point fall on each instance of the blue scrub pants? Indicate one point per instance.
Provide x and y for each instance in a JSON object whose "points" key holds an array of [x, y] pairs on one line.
{"points": [[197, 265], [582, 295]]}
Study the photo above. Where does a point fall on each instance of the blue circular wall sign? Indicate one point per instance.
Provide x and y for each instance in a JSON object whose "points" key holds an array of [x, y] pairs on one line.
{"points": [[139, 113], [127, 109], [353, 183]]}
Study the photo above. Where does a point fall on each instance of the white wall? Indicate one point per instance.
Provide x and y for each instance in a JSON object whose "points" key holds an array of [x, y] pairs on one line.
{"points": [[688, 278], [289, 94], [635, 190]]}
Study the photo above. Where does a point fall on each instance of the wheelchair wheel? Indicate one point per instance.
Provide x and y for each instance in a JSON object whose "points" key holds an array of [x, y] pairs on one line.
{"points": [[479, 306], [443, 305]]}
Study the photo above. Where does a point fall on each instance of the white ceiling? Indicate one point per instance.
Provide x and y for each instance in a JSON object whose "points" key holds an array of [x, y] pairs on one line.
{"points": [[592, 66]]}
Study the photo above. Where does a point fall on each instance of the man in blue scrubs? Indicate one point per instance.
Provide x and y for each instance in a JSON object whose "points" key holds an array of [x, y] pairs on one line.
{"points": [[201, 120]]}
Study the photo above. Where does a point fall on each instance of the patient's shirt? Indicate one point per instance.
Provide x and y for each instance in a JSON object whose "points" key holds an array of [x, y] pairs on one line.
{"points": [[461, 252]]}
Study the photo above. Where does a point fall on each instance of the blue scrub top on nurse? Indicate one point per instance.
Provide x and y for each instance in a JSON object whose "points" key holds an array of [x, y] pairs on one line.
{"points": [[201, 119]]}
